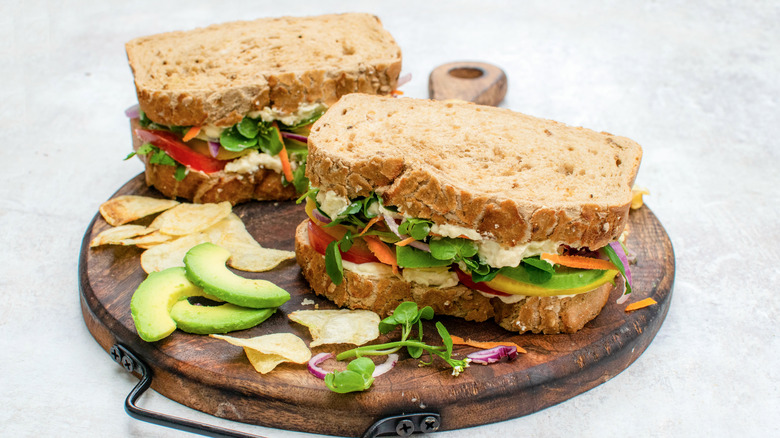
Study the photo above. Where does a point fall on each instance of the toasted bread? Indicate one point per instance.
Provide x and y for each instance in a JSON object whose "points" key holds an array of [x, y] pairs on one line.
{"points": [[511, 177], [218, 74]]}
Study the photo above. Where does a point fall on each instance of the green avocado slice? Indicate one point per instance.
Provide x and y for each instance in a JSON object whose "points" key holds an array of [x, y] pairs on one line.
{"points": [[151, 303], [205, 266], [223, 318], [563, 279]]}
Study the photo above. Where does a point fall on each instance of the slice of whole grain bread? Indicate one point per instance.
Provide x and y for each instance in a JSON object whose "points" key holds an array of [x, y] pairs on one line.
{"points": [[512, 177], [218, 74]]}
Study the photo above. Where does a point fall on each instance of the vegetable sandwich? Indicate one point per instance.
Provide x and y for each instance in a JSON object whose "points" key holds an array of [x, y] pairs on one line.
{"points": [[224, 111], [479, 212]]}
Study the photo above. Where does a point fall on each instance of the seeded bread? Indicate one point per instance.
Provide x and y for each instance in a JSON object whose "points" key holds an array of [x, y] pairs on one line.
{"points": [[218, 74], [512, 177], [199, 187], [382, 295]]}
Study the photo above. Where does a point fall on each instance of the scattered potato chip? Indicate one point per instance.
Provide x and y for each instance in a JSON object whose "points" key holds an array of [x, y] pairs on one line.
{"points": [[255, 258], [267, 351], [636, 196], [170, 254], [338, 326], [149, 240], [245, 253], [127, 208], [118, 235], [191, 218]]}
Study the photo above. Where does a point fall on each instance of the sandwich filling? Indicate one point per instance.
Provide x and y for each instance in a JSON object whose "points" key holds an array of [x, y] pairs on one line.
{"points": [[265, 139], [364, 236]]}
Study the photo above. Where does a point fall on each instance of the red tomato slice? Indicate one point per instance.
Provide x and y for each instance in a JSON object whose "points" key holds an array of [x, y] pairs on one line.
{"points": [[358, 253], [466, 280], [179, 151]]}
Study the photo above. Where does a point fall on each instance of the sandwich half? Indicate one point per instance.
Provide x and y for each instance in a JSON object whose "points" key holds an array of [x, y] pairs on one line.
{"points": [[479, 212], [224, 111]]}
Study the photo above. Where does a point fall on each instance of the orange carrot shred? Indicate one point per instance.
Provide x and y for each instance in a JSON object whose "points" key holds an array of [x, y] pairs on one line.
{"points": [[382, 252], [370, 223], [457, 340], [405, 242], [397, 92], [286, 168], [640, 304], [579, 262], [191, 133]]}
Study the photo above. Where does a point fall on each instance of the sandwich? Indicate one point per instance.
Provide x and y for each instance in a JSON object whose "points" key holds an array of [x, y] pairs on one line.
{"points": [[479, 212], [224, 111]]}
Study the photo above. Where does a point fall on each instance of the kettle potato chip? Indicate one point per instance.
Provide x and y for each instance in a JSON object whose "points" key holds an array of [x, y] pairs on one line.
{"points": [[170, 254], [341, 326], [127, 208], [191, 218], [119, 235], [267, 351]]}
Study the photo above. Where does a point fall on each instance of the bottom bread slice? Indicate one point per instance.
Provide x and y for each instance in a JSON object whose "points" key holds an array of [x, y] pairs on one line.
{"points": [[549, 315], [199, 187]]}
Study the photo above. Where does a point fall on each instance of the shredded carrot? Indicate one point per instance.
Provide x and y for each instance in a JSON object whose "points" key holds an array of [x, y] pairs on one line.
{"points": [[457, 340], [405, 242], [286, 168], [191, 133], [640, 304], [382, 252], [397, 92], [579, 262], [370, 223]]}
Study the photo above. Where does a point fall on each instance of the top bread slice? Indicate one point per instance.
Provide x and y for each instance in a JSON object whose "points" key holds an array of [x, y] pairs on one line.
{"points": [[512, 177], [218, 74]]}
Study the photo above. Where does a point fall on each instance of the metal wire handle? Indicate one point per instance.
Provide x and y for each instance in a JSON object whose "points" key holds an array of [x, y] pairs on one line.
{"points": [[399, 425]]}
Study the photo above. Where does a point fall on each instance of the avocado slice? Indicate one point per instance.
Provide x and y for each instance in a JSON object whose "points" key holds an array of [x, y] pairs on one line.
{"points": [[223, 318], [205, 265], [154, 298]]}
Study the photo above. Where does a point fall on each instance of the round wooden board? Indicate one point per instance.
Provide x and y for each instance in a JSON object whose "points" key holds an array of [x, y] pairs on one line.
{"points": [[215, 377]]}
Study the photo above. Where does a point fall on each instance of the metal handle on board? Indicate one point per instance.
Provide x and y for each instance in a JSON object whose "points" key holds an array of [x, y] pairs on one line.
{"points": [[399, 425]]}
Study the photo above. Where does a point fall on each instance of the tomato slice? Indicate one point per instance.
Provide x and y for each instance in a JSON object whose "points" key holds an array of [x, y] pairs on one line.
{"points": [[180, 152], [358, 253], [466, 280]]}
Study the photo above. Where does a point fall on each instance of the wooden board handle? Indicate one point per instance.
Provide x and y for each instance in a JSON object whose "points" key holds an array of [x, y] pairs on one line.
{"points": [[476, 82]]}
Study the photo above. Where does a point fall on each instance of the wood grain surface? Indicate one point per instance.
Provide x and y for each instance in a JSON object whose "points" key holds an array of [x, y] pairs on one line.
{"points": [[215, 377], [476, 82]]}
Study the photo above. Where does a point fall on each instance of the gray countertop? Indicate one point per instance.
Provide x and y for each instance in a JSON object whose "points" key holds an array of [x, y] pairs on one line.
{"points": [[694, 82]]}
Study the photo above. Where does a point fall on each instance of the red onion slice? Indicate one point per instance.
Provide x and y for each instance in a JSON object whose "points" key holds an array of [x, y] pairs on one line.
{"points": [[403, 80], [320, 217], [623, 259], [214, 148], [620, 284], [133, 112], [297, 137], [392, 359], [493, 355], [390, 221], [314, 363]]}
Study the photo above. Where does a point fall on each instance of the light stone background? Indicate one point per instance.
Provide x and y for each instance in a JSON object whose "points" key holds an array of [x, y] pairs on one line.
{"points": [[694, 82]]}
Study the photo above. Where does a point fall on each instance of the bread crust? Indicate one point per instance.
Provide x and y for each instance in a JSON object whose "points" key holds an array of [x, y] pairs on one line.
{"points": [[549, 315], [287, 64], [199, 187], [426, 158]]}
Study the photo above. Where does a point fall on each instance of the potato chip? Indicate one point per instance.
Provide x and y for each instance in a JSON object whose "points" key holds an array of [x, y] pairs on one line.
{"points": [[245, 253], [119, 235], [170, 254], [267, 351], [191, 218], [127, 208], [338, 326], [149, 240]]}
